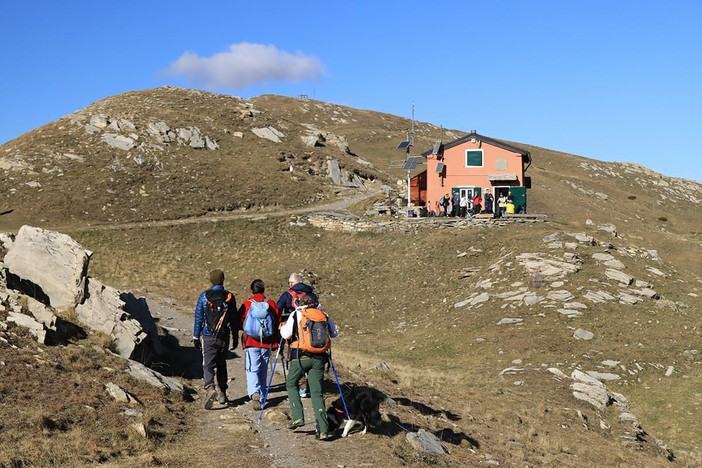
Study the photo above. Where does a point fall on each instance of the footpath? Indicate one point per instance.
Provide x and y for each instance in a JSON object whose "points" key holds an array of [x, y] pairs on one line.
{"points": [[279, 446]]}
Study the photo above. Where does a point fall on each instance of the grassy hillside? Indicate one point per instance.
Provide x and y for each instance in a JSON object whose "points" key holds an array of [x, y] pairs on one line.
{"points": [[387, 289]]}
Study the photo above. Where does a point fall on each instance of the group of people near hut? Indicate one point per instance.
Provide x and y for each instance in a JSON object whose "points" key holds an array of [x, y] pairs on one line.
{"points": [[460, 206]]}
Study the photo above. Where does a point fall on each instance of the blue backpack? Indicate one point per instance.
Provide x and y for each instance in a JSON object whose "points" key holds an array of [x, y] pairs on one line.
{"points": [[259, 323]]}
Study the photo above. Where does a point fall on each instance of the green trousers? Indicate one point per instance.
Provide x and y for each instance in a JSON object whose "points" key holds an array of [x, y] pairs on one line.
{"points": [[314, 368]]}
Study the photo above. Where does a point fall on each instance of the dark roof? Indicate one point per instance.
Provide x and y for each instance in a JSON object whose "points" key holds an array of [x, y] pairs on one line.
{"points": [[483, 138]]}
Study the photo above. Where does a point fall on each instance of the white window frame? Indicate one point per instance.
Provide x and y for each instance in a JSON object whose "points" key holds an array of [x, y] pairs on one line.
{"points": [[482, 157]]}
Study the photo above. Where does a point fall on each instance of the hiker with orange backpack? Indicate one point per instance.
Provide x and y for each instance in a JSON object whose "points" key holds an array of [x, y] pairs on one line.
{"points": [[310, 331], [286, 305], [259, 319], [215, 319]]}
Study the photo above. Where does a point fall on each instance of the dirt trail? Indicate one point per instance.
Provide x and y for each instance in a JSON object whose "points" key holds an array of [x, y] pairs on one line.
{"points": [[278, 446], [339, 205]]}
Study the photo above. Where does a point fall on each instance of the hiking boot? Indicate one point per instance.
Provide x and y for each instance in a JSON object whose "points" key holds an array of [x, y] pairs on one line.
{"points": [[222, 398], [256, 399], [296, 423], [325, 436], [210, 397]]}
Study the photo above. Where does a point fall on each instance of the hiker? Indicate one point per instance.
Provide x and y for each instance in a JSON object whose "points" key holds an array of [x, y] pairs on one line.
{"points": [[286, 304], [476, 203], [455, 204], [309, 358], [445, 203], [258, 338], [215, 319], [501, 205], [488, 201], [464, 205]]}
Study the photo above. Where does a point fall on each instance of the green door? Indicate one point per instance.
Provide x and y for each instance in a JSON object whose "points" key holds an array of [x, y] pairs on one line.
{"points": [[520, 199]]}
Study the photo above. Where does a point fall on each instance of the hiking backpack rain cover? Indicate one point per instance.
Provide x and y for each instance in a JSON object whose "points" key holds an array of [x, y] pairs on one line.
{"points": [[216, 312], [313, 333], [259, 323]]}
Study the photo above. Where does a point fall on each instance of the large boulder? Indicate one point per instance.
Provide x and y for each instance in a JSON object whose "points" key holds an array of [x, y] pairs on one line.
{"points": [[104, 311], [52, 261]]}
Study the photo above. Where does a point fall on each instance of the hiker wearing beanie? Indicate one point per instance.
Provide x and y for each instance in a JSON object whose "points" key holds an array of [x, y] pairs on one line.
{"points": [[215, 320], [259, 319], [310, 330]]}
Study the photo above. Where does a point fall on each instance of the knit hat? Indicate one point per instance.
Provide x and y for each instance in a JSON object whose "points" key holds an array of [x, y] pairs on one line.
{"points": [[217, 277]]}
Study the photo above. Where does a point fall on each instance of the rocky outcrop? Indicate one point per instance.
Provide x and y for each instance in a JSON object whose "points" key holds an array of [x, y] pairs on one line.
{"points": [[48, 271], [51, 261]]}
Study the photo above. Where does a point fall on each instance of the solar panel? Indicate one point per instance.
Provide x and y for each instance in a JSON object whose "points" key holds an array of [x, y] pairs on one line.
{"points": [[411, 163], [404, 144], [439, 168], [437, 147]]}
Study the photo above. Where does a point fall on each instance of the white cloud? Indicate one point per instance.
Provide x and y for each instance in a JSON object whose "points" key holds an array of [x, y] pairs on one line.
{"points": [[246, 64]]}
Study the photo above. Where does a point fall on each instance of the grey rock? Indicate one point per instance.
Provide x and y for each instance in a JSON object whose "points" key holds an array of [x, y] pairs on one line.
{"points": [[557, 372], [625, 298], [599, 296], [52, 261], [619, 276], [269, 133], [118, 393], [150, 376], [35, 328], [580, 334], [510, 321], [571, 313], [560, 295], [426, 442], [104, 311], [118, 141], [603, 375]]}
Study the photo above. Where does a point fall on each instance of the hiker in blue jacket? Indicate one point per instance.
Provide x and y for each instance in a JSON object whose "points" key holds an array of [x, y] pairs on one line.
{"points": [[211, 335]]}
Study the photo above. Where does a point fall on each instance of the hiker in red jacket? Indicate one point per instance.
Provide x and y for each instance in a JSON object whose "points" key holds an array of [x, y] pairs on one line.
{"points": [[258, 344], [476, 203]]}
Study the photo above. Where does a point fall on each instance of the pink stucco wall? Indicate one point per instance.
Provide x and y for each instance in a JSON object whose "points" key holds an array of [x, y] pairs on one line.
{"points": [[458, 175]]}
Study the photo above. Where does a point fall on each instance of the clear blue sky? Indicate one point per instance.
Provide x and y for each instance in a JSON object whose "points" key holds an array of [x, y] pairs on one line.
{"points": [[610, 80]]}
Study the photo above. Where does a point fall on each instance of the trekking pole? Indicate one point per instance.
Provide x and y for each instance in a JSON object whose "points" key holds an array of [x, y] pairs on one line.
{"points": [[270, 379], [341, 393]]}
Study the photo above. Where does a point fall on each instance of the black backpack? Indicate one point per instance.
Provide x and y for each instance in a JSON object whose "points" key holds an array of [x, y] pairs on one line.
{"points": [[218, 302]]}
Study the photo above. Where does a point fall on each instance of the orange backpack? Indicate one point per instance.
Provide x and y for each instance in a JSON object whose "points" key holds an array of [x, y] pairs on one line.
{"points": [[313, 331]]}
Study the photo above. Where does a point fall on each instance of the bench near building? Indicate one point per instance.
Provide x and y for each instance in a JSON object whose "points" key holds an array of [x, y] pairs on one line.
{"points": [[471, 165]]}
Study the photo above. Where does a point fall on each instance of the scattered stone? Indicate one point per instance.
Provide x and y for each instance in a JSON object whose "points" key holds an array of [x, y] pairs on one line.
{"points": [[557, 372], [669, 371], [140, 372], [509, 321], [629, 299], [619, 276], [598, 296], [426, 442], [560, 295], [610, 363], [118, 393], [118, 141], [656, 271], [603, 375], [570, 313], [581, 334], [511, 371], [269, 133]]}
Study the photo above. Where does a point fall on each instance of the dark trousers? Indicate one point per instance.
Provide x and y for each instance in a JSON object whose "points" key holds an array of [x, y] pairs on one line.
{"points": [[214, 354]]}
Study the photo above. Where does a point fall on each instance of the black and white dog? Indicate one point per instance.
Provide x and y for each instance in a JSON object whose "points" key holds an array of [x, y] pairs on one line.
{"points": [[363, 404]]}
